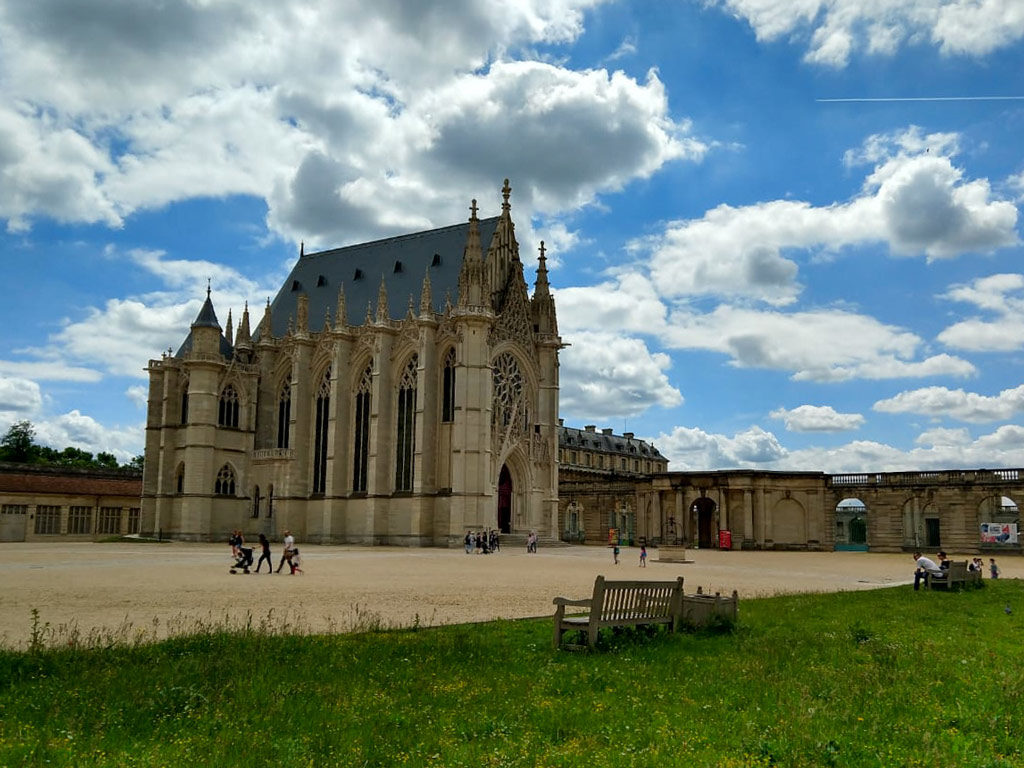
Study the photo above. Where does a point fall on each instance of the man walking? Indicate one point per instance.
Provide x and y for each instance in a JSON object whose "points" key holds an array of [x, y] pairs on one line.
{"points": [[289, 545]]}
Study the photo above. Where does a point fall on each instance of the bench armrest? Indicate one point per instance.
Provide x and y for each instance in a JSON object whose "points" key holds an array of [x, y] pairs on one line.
{"points": [[566, 601]]}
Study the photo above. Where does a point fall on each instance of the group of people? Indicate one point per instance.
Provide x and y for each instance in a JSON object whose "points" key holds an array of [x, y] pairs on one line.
{"points": [[928, 568], [243, 554], [482, 542]]}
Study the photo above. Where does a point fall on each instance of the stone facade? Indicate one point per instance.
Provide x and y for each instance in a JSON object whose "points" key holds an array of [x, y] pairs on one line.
{"points": [[404, 426], [40, 503], [899, 511], [601, 475]]}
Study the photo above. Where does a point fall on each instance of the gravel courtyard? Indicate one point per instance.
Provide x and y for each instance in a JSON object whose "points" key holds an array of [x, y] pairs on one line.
{"points": [[151, 590]]}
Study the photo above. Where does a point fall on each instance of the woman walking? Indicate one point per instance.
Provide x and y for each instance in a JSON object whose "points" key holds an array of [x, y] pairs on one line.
{"points": [[265, 545]]}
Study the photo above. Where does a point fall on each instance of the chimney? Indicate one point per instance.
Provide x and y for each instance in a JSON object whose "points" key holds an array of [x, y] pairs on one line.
{"points": [[591, 428], [606, 431], [628, 435]]}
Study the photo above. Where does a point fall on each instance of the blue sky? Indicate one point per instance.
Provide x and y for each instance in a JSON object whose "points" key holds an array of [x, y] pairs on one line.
{"points": [[749, 272]]}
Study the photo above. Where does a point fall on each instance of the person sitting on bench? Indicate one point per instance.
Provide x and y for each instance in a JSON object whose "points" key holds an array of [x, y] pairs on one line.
{"points": [[926, 569]]}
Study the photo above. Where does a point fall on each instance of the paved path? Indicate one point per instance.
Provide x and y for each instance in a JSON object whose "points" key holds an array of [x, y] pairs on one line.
{"points": [[146, 590]]}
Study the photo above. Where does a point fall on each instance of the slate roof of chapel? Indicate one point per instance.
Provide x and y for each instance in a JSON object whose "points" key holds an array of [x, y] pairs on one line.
{"points": [[403, 261]]}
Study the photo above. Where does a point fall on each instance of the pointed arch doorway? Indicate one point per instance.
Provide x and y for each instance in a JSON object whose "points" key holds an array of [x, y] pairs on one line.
{"points": [[505, 500]]}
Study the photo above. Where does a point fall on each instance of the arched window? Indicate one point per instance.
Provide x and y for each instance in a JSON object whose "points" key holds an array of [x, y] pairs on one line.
{"points": [[179, 479], [448, 387], [405, 432], [361, 448], [227, 409], [256, 501], [184, 400], [225, 485], [284, 412], [320, 421]]}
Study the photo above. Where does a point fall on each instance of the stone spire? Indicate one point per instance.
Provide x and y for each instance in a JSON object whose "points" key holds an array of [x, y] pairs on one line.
{"points": [[542, 306], [503, 252], [426, 301], [229, 334], [244, 336], [340, 311], [409, 314], [382, 302], [471, 275], [266, 328]]}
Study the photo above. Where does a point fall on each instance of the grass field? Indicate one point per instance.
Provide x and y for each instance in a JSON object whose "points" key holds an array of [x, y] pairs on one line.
{"points": [[878, 678]]}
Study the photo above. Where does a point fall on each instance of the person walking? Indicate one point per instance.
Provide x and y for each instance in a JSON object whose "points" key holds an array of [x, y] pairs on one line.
{"points": [[615, 553], [265, 546], [289, 546], [993, 569], [643, 555]]}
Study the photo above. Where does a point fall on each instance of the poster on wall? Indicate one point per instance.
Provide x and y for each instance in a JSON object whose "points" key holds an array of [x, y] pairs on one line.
{"points": [[999, 533]]}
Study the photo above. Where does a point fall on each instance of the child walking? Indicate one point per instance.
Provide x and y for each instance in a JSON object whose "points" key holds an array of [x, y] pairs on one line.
{"points": [[993, 569], [643, 555], [615, 553]]}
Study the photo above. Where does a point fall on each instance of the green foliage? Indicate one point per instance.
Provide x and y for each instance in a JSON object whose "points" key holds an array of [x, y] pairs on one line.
{"points": [[18, 446], [879, 678]]}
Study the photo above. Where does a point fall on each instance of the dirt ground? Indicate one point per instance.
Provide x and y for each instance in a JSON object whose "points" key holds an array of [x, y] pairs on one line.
{"points": [[150, 590]]}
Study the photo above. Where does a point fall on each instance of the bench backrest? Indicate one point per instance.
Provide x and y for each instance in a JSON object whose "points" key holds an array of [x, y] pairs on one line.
{"points": [[957, 570], [626, 600]]}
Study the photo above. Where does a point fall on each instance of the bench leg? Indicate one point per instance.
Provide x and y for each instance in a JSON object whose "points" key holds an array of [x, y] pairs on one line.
{"points": [[556, 640]]}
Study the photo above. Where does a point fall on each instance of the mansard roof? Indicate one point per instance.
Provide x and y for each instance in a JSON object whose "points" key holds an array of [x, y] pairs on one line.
{"points": [[403, 262], [606, 442]]}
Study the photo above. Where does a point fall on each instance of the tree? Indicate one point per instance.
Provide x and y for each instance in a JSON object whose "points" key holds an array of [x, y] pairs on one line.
{"points": [[18, 444]]}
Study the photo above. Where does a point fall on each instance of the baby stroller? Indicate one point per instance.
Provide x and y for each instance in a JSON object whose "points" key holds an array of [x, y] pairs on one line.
{"points": [[244, 560]]}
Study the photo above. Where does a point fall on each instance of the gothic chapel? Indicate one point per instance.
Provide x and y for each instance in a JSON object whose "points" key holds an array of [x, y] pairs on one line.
{"points": [[395, 392]]}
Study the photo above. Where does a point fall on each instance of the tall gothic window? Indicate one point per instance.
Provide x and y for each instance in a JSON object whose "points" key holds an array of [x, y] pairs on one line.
{"points": [[448, 388], [323, 411], [184, 400], [225, 484], [227, 409], [179, 479], [361, 448], [284, 412], [405, 433]]}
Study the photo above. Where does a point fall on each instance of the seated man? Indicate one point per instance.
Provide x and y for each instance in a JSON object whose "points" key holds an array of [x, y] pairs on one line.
{"points": [[926, 568]]}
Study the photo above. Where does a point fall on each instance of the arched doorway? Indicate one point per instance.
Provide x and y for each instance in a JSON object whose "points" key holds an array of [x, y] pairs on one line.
{"points": [[704, 510], [851, 526], [505, 500]]}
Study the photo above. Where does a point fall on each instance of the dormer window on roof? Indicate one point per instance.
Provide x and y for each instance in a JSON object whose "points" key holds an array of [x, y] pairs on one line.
{"points": [[398, 267], [296, 285], [436, 261], [321, 281], [358, 275]]}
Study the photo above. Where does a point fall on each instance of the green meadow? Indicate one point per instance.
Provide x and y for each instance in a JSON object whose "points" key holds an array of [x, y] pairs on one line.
{"points": [[878, 678]]}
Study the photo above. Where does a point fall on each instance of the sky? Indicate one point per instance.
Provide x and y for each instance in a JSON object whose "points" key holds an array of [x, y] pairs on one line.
{"points": [[782, 234]]}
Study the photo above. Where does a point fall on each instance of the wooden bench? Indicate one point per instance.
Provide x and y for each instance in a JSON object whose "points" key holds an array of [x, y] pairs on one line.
{"points": [[621, 604], [957, 576]]}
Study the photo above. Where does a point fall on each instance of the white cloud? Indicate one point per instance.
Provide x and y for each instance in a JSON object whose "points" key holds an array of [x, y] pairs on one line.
{"points": [[19, 399], [112, 116], [82, 431], [138, 395], [817, 418], [49, 369], [941, 402], [690, 448], [606, 376], [838, 28], [817, 345], [914, 200], [1001, 295]]}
